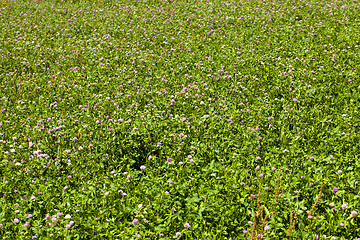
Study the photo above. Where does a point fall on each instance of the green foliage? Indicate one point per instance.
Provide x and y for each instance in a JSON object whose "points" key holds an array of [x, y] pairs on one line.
{"points": [[180, 115]]}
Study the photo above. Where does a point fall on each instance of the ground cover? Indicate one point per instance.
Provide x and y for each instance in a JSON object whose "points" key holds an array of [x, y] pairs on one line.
{"points": [[179, 119]]}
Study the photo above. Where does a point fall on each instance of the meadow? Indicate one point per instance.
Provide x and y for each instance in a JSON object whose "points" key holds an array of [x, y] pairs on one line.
{"points": [[179, 119]]}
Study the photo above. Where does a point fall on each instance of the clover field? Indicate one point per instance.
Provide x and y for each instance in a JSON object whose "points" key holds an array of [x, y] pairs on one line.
{"points": [[179, 119]]}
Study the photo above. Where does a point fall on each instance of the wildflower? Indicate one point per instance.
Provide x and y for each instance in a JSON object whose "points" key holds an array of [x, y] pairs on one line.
{"points": [[331, 204], [353, 214], [341, 224], [142, 168], [335, 189], [67, 216], [344, 206], [16, 220], [178, 234], [266, 228], [135, 221], [68, 226], [187, 225]]}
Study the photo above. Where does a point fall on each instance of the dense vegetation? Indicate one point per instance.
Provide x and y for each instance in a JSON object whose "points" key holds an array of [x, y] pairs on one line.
{"points": [[179, 119]]}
